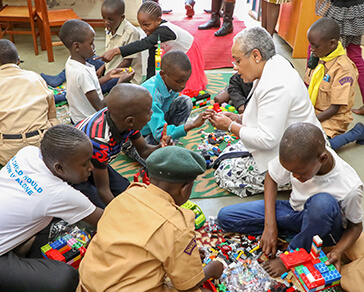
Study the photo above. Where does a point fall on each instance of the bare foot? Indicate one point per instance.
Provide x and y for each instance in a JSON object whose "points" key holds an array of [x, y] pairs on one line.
{"points": [[274, 267], [359, 111]]}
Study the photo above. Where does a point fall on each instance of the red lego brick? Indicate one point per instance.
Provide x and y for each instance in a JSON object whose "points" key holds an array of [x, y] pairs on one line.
{"points": [[295, 258]]}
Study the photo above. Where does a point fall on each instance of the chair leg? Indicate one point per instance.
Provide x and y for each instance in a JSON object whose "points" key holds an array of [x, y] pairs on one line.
{"points": [[48, 41], [43, 46], [35, 43]]}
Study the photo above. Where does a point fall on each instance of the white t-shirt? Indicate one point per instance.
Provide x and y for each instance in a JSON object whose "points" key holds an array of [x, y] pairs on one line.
{"points": [[280, 99], [30, 196], [80, 80], [342, 182]]}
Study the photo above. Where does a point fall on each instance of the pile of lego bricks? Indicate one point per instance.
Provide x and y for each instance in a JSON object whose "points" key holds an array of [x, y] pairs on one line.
{"points": [[310, 268], [65, 249]]}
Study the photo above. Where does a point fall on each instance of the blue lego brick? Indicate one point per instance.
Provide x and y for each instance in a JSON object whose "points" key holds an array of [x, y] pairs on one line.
{"points": [[305, 270], [331, 276], [321, 267], [58, 244]]}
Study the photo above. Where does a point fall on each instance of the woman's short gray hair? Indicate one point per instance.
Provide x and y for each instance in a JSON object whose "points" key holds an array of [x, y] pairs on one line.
{"points": [[256, 38]]}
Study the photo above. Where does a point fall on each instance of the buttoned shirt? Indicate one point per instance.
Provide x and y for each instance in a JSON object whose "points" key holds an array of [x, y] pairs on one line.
{"points": [[142, 237], [338, 88], [125, 34]]}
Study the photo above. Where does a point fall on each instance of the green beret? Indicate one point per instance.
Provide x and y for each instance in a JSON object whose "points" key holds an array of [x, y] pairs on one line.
{"points": [[175, 164]]}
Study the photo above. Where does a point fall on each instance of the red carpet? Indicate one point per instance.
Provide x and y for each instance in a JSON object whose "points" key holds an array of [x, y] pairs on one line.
{"points": [[216, 50]]}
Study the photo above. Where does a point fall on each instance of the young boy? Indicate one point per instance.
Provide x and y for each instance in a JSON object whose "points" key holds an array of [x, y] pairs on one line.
{"points": [[84, 94], [119, 32], [168, 107], [325, 199], [236, 93], [128, 111], [146, 235], [28, 107], [34, 187], [332, 83]]}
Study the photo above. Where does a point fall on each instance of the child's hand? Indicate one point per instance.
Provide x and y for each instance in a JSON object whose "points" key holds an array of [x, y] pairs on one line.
{"points": [[165, 140], [124, 74], [220, 121], [100, 71], [198, 122], [268, 242], [334, 258], [109, 55]]}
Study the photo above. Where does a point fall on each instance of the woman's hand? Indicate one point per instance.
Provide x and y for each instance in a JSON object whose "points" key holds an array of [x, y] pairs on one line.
{"points": [[220, 121]]}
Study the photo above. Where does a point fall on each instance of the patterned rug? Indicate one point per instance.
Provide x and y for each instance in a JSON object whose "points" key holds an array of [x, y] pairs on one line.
{"points": [[205, 186]]}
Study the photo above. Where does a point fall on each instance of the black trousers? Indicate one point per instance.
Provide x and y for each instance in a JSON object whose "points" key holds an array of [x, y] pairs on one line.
{"points": [[35, 274], [117, 184]]}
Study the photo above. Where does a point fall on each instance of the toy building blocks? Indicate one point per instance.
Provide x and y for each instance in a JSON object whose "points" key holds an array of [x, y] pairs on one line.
{"points": [[310, 268], [200, 218], [67, 249], [144, 175]]}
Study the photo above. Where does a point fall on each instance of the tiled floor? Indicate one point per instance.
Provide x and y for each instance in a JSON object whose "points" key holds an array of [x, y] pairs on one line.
{"points": [[351, 153]]}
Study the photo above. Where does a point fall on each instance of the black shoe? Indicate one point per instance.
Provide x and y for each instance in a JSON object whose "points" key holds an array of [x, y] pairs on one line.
{"points": [[225, 29], [167, 11], [214, 22]]}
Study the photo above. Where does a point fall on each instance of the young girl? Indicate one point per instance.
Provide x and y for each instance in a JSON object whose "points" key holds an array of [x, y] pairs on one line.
{"points": [[171, 37], [349, 14]]}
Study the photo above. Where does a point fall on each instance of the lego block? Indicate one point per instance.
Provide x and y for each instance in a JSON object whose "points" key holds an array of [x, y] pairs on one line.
{"points": [[321, 267], [54, 254], [297, 257], [317, 241]]}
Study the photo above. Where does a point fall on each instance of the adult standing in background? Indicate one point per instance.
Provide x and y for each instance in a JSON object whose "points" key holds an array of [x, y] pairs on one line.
{"points": [[214, 22]]}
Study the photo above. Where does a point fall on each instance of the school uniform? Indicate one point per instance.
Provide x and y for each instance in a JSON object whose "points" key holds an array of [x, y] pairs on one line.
{"points": [[125, 34], [142, 237], [27, 110], [337, 87]]}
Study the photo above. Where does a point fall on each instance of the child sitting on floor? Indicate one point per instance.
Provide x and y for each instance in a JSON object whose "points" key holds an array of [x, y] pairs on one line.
{"points": [[119, 32], [325, 199], [34, 187], [171, 37], [84, 94], [168, 106], [145, 235], [128, 111], [332, 84], [236, 93]]}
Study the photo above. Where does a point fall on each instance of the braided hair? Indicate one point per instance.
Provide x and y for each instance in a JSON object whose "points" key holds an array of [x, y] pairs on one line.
{"points": [[151, 8]]}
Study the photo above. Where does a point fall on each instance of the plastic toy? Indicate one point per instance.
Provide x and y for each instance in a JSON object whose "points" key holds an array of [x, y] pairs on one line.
{"points": [[158, 56], [200, 218], [144, 175], [67, 249], [310, 269]]}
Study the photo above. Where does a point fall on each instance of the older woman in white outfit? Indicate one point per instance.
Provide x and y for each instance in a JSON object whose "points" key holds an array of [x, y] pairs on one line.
{"points": [[278, 99]]}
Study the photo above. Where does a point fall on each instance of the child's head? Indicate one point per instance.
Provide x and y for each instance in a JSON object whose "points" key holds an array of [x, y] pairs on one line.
{"points": [[67, 152], [174, 169], [175, 70], [130, 106], [8, 52], [78, 37], [323, 36], [302, 150], [112, 12], [149, 16]]}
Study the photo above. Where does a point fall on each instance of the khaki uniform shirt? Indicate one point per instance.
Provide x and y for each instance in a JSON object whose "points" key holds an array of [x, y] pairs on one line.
{"points": [[125, 34], [142, 237], [27, 105], [337, 87]]}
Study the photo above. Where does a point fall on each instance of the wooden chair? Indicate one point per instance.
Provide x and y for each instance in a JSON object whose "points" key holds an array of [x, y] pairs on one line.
{"points": [[9, 15], [47, 20]]}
